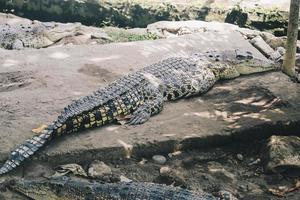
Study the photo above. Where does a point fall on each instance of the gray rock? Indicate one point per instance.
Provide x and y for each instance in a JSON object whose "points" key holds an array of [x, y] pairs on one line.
{"points": [[165, 29], [255, 162], [125, 179], [240, 157], [259, 43], [159, 159], [282, 153], [248, 33], [98, 169], [137, 31], [297, 60], [272, 40], [165, 170], [281, 50]]}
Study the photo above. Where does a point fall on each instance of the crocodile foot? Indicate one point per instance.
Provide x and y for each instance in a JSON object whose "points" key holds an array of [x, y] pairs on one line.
{"points": [[140, 116], [39, 129]]}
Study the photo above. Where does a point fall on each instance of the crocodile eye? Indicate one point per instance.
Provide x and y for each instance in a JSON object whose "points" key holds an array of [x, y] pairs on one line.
{"points": [[240, 57], [249, 55]]}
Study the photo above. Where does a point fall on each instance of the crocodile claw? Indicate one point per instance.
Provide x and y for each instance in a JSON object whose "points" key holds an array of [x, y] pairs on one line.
{"points": [[139, 117]]}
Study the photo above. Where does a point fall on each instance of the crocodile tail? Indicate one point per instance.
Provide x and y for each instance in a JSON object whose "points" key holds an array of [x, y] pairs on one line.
{"points": [[25, 150]]}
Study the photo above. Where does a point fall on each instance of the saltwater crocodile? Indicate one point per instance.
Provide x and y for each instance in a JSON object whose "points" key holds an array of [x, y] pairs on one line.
{"points": [[66, 188], [139, 95], [43, 34]]}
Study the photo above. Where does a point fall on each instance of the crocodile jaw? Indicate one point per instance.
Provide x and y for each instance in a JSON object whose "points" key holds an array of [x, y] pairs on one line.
{"points": [[255, 66]]}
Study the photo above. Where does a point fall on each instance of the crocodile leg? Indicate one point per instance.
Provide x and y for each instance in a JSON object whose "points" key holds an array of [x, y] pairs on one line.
{"points": [[153, 104], [200, 82], [188, 84]]}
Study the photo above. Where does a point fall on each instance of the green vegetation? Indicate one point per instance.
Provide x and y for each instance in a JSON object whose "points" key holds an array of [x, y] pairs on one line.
{"points": [[123, 35]]}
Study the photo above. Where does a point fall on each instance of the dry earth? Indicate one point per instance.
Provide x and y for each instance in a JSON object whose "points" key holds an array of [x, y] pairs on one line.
{"points": [[35, 85]]}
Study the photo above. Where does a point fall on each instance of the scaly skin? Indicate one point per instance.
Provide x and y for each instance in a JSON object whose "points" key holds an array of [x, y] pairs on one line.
{"points": [[67, 189], [35, 35], [141, 94]]}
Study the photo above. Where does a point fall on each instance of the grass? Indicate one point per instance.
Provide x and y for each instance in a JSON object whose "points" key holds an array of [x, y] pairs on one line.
{"points": [[123, 35]]}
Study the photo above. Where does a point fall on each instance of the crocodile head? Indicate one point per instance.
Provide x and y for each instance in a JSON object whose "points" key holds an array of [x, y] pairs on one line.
{"points": [[56, 31], [39, 189], [36, 34], [231, 64]]}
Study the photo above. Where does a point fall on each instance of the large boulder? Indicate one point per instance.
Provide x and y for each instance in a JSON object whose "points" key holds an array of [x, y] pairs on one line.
{"points": [[137, 13], [282, 153]]}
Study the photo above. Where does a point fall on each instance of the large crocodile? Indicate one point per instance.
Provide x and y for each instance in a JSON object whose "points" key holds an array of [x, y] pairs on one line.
{"points": [[65, 188], [141, 94]]}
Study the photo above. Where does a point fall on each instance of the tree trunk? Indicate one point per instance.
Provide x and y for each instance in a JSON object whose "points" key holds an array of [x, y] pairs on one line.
{"points": [[291, 44]]}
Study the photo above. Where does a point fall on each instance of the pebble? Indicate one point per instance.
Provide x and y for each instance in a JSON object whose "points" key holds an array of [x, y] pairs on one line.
{"points": [[98, 169], [243, 188], [255, 162], [143, 161], [159, 159], [125, 179], [165, 170], [176, 153], [240, 157]]}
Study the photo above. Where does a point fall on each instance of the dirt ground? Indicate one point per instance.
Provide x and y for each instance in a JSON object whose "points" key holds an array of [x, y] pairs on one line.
{"points": [[35, 85], [238, 169]]}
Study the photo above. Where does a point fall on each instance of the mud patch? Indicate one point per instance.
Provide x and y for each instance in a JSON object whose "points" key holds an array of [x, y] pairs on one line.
{"points": [[99, 72], [10, 81]]}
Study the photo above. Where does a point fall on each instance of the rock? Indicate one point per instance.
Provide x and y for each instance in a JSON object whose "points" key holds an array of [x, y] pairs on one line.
{"points": [[137, 31], [170, 176], [259, 43], [272, 40], [255, 162], [282, 153], [125, 179], [240, 157], [243, 188], [165, 29], [219, 172], [13, 19], [281, 50], [237, 16], [257, 17], [298, 77], [165, 170], [298, 46], [276, 55], [143, 161], [248, 33], [297, 59], [159, 159], [176, 153], [98, 169]]}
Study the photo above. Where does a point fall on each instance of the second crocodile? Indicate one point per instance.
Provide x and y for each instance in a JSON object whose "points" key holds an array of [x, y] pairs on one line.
{"points": [[69, 189], [44, 34]]}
